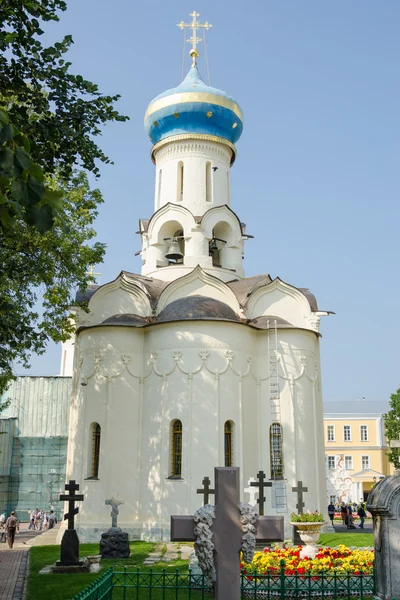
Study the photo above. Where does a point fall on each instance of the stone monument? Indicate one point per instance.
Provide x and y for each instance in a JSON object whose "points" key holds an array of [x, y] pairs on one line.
{"points": [[220, 532], [69, 554], [384, 505], [114, 542]]}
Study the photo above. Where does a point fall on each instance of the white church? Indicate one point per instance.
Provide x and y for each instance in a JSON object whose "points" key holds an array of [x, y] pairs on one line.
{"points": [[191, 364]]}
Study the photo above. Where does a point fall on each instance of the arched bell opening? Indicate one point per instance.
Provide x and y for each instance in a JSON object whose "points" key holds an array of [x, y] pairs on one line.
{"points": [[219, 245], [171, 244]]}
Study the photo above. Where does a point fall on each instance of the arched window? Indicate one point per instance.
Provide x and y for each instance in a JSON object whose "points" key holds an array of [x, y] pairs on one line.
{"points": [[276, 451], [94, 458], [179, 194], [228, 443], [208, 182], [176, 448]]}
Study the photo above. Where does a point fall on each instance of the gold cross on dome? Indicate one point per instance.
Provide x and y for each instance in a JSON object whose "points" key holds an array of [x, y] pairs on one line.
{"points": [[194, 26], [94, 277]]}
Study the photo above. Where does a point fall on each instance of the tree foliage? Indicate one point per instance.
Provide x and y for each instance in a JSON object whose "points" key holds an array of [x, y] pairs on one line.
{"points": [[59, 112], [49, 265], [392, 427], [23, 193], [49, 122]]}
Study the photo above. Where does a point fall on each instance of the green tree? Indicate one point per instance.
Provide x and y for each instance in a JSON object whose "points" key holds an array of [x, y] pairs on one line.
{"points": [[49, 265], [392, 427], [59, 112]]}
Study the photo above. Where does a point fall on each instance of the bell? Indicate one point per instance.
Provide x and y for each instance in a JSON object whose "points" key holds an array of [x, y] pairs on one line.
{"points": [[213, 245], [174, 251]]}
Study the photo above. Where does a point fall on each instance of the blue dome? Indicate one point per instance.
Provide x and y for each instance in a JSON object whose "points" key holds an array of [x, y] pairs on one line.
{"points": [[193, 107]]}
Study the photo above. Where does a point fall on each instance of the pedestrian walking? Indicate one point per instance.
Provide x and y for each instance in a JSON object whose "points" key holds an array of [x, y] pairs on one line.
{"points": [[52, 519], [12, 526], [331, 512], [362, 514], [343, 513]]}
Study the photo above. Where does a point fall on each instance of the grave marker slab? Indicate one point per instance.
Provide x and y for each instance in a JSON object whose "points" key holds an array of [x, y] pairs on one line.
{"points": [[227, 532]]}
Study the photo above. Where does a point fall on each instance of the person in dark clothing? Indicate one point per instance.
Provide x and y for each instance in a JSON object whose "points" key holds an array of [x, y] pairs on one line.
{"points": [[343, 513], [331, 512], [362, 514], [12, 525]]}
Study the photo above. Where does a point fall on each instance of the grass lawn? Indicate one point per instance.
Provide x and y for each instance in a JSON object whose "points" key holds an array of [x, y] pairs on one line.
{"points": [[347, 539], [65, 586]]}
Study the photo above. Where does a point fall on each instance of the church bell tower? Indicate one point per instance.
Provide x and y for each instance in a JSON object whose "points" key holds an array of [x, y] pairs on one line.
{"points": [[193, 128]]}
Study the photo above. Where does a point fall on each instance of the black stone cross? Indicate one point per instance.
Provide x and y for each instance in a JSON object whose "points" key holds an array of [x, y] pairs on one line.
{"points": [[206, 490], [300, 489], [69, 551], [227, 532], [261, 484], [72, 487]]}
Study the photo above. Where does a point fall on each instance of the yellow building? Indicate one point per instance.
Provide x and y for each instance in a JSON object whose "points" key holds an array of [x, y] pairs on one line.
{"points": [[355, 448]]}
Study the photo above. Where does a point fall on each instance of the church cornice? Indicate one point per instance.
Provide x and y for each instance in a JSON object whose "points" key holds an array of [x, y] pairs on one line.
{"points": [[194, 136]]}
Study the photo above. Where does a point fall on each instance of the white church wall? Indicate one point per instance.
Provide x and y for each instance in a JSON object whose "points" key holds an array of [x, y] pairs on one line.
{"points": [[193, 157], [199, 283], [118, 297], [280, 300]]}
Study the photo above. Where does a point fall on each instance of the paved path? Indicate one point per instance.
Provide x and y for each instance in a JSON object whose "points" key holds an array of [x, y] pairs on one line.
{"points": [[14, 563]]}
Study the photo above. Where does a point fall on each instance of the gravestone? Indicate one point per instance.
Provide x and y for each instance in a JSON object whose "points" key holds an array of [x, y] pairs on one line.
{"points": [[384, 505], [261, 484], [114, 542], [206, 490], [297, 541], [227, 532], [69, 552]]}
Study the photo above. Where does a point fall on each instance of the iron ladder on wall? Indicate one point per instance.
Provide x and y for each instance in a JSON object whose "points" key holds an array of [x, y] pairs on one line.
{"points": [[279, 483]]}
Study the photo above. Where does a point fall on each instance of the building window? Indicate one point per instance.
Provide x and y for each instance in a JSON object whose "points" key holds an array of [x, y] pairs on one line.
{"points": [[348, 463], [208, 182], [365, 462], [95, 434], [364, 433], [330, 433], [228, 187], [331, 462], [228, 441], [179, 195], [347, 433], [332, 499], [176, 448], [276, 451]]}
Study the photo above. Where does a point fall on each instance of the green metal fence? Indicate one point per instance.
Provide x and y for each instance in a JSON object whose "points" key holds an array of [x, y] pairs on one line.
{"points": [[165, 585]]}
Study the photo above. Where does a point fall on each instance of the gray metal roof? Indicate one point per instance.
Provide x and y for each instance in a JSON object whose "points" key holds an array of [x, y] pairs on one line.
{"points": [[197, 307], [356, 407]]}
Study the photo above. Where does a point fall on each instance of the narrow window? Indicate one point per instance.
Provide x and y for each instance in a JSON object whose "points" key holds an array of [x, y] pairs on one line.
{"points": [[364, 433], [228, 187], [208, 182], [176, 448], [331, 462], [228, 441], [331, 433], [95, 454], [365, 462], [347, 433], [332, 499], [159, 186], [276, 451], [348, 463], [179, 194]]}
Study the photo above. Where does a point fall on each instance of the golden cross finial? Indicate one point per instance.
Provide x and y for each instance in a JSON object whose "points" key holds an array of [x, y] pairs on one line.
{"points": [[194, 26], [93, 275]]}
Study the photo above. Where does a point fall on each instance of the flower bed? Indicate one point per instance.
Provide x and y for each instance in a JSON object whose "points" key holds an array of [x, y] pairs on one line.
{"points": [[334, 573], [341, 560]]}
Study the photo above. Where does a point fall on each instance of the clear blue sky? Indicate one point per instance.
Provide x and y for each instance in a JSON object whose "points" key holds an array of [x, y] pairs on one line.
{"points": [[317, 174]]}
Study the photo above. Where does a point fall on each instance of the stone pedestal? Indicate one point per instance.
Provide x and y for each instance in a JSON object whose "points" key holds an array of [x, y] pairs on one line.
{"points": [[384, 505], [114, 543], [69, 554]]}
